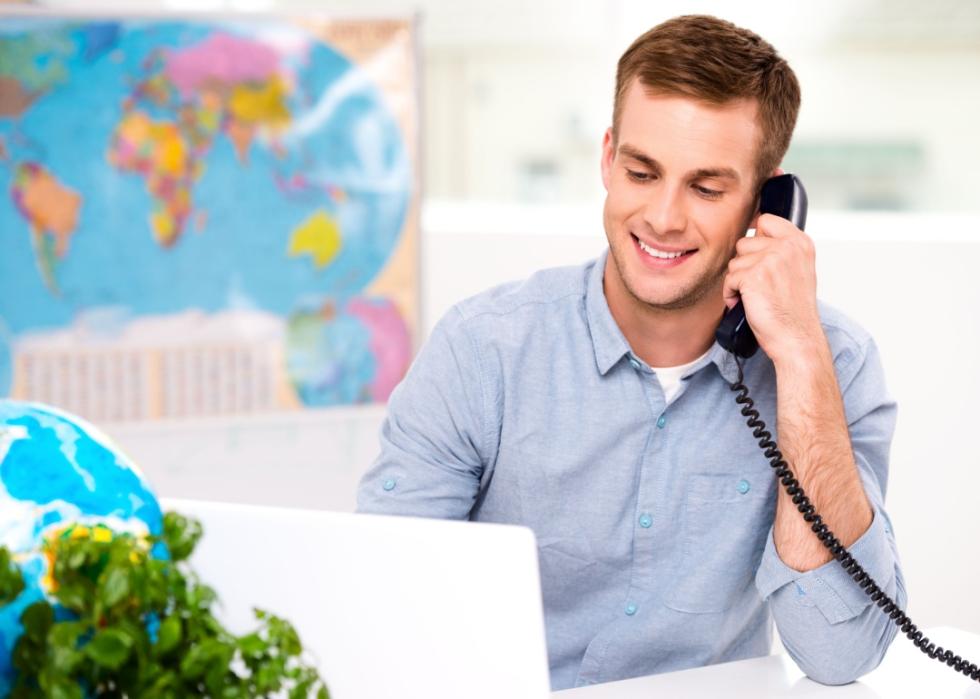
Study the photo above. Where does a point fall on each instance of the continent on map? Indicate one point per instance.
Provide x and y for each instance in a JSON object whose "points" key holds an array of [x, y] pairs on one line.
{"points": [[319, 237], [390, 342], [354, 352], [51, 210], [243, 76], [14, 97], [37, 60], [252, 107], [158, 151], [227, 84]]}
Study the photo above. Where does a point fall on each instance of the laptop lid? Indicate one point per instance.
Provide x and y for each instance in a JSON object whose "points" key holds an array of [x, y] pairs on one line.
{"points": [[389, 606]]}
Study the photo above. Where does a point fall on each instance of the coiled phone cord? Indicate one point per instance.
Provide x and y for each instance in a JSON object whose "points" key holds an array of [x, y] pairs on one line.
{"points": [[853, 568]]}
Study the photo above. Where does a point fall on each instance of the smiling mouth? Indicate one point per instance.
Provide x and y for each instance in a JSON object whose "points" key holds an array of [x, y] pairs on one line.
{"points": [[661, 254]]}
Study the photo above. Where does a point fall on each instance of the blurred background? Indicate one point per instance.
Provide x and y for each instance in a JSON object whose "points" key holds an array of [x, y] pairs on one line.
{"points": [[515, 97]]}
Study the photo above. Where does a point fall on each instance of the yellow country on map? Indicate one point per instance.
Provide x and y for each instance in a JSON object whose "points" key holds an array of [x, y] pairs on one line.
{"points": [[319, 237]]}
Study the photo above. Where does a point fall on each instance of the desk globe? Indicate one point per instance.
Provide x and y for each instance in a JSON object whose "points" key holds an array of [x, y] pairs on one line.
{"points": [[57, 472]]}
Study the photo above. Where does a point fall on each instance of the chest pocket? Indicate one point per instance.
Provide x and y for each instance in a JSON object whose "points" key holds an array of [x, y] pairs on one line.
{"points": [[724, 525]]}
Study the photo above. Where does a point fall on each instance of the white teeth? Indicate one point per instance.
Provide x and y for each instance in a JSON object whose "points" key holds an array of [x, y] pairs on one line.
{"points": [[653, 252]]}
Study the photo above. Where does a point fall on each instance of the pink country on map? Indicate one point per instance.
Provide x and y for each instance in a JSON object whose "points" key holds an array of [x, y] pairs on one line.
{"points": [[227, 84], [220, 59], [390, 343], [247, 78], [51, 210]]}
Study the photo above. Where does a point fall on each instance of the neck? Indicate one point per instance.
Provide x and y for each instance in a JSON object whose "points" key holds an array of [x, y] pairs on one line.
{"points": [[664, 337]]}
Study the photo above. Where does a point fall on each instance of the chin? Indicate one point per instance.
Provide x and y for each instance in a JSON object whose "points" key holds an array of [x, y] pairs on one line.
{"points": [[672, 297], [655, 297], [668, 303]]}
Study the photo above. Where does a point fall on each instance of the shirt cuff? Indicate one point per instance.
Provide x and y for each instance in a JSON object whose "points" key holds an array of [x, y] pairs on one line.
{"points": [[830, 588]]}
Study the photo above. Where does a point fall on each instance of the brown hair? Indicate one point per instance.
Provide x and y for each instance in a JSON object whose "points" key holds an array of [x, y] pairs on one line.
{"points": [[713, 60]]}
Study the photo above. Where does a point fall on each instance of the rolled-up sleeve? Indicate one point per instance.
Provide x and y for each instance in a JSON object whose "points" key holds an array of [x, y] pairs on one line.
{"points": [[827, 623], [435, 433]]}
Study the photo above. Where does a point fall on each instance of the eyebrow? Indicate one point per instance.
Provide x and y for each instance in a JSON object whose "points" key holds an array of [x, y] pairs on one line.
{"points": [[701, 173]]}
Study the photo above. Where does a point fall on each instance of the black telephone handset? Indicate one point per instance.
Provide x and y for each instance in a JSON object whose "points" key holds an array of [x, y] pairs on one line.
{"points": [[785, 196]]}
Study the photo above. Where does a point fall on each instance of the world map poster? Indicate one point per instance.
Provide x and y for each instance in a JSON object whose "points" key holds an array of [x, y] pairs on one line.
{"points": [[206, 217]]}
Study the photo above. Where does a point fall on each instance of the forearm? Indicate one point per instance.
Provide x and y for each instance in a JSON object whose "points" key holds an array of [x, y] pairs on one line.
{"points": [[814, 440], [835, 422], [826, 621]]}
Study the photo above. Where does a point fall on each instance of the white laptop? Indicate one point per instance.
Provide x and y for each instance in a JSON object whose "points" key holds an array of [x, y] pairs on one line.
{"points": [[391, 607]]}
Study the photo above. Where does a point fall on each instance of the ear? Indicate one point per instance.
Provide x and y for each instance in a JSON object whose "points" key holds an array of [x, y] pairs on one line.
{"points": [[607, 158], [755, 217]]}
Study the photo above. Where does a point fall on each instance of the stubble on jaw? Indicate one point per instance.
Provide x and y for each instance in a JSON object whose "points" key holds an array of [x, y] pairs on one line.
{"points": [[687, 298], [700, 289]]}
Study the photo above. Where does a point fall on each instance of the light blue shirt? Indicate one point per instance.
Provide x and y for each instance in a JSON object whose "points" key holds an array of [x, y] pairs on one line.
{"points": [[653, 522]]}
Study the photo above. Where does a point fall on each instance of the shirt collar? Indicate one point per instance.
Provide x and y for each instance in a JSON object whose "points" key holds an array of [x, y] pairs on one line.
{"points": [[607, 339], [611, 346], [725, 361]]}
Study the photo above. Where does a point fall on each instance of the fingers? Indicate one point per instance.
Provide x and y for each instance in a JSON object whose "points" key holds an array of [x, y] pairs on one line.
{"points": [[730, 290], [772, 226], [771, 229], [739, 268], [747, 246], [744, 262]]}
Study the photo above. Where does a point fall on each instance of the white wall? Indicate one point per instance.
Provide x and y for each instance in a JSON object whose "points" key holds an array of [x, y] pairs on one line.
{"points": [[910, 279]]}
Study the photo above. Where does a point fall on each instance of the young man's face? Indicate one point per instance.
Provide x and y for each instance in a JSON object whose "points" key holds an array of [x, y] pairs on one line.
{"points": [[680, 193]]}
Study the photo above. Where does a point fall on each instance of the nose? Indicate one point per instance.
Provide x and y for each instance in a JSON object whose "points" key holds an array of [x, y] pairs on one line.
{"points": [[664, 211]]}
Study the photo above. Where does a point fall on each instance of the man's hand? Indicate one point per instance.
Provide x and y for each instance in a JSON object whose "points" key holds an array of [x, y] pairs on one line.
{"points": [[775, 275]]}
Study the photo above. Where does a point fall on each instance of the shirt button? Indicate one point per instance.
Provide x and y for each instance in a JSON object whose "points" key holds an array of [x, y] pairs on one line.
{"points": [[630, 609], [636, 364], [743, 486], [389, 484], [661, 421], [646, 521]]}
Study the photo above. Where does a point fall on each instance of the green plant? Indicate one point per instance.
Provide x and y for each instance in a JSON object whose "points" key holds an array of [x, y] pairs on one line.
{"points": [[132, 625]]}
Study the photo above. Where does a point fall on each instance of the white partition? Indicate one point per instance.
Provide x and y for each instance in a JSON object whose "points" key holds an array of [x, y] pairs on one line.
{"points": [[911, 279]]}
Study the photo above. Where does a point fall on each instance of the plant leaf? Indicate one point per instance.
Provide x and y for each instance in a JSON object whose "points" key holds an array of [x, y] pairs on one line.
{"points": [[181, 535], [64, 689], [170, 634], [37, 620], [109, 648], [11, 579], [115, 588]]}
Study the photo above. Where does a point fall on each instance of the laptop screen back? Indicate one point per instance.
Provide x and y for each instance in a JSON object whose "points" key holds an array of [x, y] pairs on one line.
{"points": [[389, 606]]}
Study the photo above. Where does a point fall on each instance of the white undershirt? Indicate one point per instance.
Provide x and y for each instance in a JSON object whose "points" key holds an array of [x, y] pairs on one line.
{"points": [[670, 377]]}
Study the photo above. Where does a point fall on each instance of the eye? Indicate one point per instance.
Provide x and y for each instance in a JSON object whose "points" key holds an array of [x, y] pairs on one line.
{"points": [[707, 193], [638, 176]]}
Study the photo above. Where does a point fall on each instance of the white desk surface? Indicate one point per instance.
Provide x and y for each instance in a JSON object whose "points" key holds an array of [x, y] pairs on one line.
{"points": [[905, 672]]}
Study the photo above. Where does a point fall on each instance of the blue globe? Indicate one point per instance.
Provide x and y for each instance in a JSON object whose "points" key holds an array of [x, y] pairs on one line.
{"points": [[56, 472]]}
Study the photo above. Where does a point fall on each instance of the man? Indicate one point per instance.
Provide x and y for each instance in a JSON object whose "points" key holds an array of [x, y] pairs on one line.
{"points": [[592, 404]]}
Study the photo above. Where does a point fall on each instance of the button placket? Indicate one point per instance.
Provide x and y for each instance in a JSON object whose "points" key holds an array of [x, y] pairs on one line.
{"points": [[645, 542]]}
